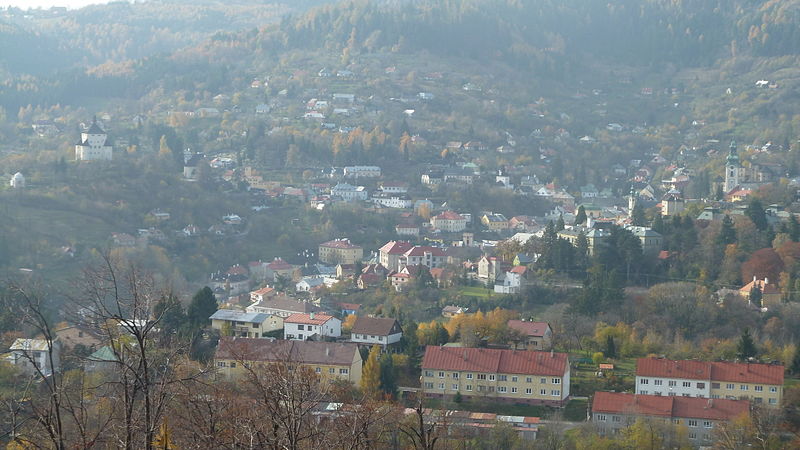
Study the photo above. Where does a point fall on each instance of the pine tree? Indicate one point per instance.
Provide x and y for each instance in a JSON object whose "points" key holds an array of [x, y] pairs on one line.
{"points": [[756, 296], [794, 228], [203, 305], [560, 225], [756, 213], [727, 234], [580, 217], [371, 373], [638, 216], [795, 367], [170, 311], [658, 224], [388, 379], [746, 348], [611, 348]]}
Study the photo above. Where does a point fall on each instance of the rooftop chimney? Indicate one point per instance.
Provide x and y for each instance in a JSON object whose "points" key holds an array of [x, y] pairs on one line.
{"points": [[327, 351], [311, 315]]}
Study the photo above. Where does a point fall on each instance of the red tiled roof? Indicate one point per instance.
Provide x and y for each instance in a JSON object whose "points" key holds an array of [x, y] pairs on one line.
{"points": [[350, 306], [668, 406], [747, 372], [519, 269], [536, 329], [263, 291], [449, 215], [715, 371], [306, 319], [308, 352], [396, 247], [279, 264], [339, 243], [667, 368], [495, 360], [766, 288]]}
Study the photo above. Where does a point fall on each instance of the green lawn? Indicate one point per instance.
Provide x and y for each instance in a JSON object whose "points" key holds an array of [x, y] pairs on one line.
{"points": [[575, 410], [475, 291]]}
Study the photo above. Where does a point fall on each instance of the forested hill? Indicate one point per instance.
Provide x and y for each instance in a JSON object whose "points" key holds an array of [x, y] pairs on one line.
{"points": [[686, 32]]}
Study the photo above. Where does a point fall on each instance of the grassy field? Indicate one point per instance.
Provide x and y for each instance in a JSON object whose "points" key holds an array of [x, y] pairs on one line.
{"points": [[475, 291]]}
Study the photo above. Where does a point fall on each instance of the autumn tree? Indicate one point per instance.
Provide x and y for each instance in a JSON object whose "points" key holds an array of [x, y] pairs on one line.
{"points": [[371, 373]]}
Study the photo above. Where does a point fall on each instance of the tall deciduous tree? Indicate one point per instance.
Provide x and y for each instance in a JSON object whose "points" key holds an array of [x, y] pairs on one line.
{"points": [[371, 374]]}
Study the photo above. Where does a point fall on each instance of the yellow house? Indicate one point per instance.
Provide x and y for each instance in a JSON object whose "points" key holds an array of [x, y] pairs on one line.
{"points": [[514, 376], [340, 251], [495, 222], [245, 324], [333, 361]]}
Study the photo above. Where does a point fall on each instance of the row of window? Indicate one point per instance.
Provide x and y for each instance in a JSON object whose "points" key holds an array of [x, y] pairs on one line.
{"points": [[694, 423], [500, 389], [701, 385], [331, 370], [491, 377]]}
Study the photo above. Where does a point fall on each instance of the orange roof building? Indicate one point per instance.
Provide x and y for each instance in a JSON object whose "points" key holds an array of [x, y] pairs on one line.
{"points": [[517, 376], [759, 383]]}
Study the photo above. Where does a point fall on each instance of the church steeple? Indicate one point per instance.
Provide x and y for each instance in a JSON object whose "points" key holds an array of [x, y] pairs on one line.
{"points": [[631, 201], [732, 165]]}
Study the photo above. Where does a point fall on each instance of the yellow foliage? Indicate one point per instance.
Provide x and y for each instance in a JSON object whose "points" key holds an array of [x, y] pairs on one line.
{"points": [[348, 323]]}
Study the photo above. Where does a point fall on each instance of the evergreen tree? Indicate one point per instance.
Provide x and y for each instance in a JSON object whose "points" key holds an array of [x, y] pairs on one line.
{"points": [[755, 296], [170, 311], [560, 225], [638, 216], [746, 348], [719, 194], [794, 228], [203, 305], [371, 373], [727, 234], [756, 213], [611, 348], [658, 224], [442, 336], [580, 217], [388, 379], [795, 366], [582, 251]]}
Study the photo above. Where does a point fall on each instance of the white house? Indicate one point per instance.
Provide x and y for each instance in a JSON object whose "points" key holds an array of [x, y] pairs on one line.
{"points": [[511, 283], [245, 324], [313, 326], [307, 284], [17, 181], [92, 145], [348, 192], [362, 172], [376, 330], [32, 356]]}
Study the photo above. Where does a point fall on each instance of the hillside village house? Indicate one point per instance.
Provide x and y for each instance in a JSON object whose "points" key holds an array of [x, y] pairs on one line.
{"points": [[376, 330], [362, 172], [331, 361], [453, 310], [349, 193], [450, 222], [340, 251], [613, 411], [514, 376], [245, 324], [92, 145], [279, 268], [395, 255], [282, 306], [31, 356], [311, 326], [760, 383], [595, 237], [495, 222], [534, 335], [770, 293], [511, 281]]}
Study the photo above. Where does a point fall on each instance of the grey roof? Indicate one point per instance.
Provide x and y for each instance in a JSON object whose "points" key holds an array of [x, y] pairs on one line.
{"points": [[239, 316]]}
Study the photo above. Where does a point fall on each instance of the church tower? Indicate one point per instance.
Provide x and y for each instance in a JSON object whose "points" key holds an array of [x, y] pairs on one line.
{"points": [[631, 201], [732, 166]]}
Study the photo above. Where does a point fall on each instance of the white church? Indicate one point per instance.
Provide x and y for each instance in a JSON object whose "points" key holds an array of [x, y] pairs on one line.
{"points": [[92, 145]]}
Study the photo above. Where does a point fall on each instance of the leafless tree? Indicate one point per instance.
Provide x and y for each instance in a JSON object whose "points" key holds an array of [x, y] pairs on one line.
{"points": [[116, 298]]}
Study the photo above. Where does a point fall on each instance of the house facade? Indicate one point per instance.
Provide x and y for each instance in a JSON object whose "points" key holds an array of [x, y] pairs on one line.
{"points": [[614, 411], [340, 251], [92, 145], [32, 356], [512, 376], [314, 326], [244, 324], [759, 383], [450, 222], [376, 330], [282, 306], [534, 335], [331, 361]]}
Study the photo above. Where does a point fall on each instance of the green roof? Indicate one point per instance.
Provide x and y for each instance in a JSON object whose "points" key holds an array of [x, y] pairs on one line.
{"points": [[105, 354]]}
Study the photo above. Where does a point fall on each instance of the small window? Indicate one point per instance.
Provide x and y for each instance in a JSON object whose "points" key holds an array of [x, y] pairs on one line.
{"points": [[514, 379], [672, 383], [701, 385], [491, 377], [318, 370], [759, 388], [529, 380], [441, 374], [601, 417], [344, 371], [454, 387], [469, 376], [744, 387], [542, 380], [730, 386], [528, 391], [556, 380], [644, 381], [714, 385], [469, 387], [428, 385], [331, 370], [513, 390], [441, 386], [692, 422], [773, 401], [687, 384], [301, 327], [658, 382], [542, 391], [707, 424], [555, 393], [773, 389], [503, 378], [501, 389], [233, 364], [428, 373], [455, 375]]}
